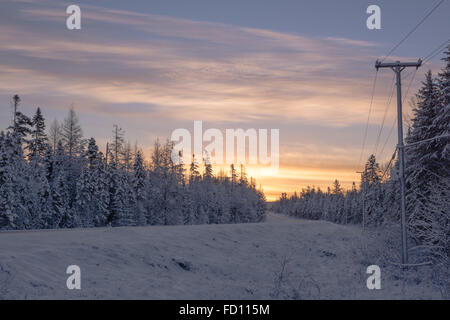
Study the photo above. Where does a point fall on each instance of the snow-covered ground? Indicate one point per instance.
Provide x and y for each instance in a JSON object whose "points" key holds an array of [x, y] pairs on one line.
{"points": [[321, 260]]}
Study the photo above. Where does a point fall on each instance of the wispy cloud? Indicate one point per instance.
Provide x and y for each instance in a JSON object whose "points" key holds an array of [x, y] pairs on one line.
{"points": [[230, 70], [351, 42]]}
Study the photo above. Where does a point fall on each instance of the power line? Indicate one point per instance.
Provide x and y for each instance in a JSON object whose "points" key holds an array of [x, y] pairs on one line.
{"points": [[426, 140], [426, 59], [368, 118], [393, 123], [430, 56], [406, 95], [388, 137], [384, 115], [410, 145], [389, 164], [412, 30], [436, 51]]}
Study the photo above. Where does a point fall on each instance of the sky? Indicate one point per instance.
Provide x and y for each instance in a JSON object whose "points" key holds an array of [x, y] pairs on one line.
{"points": [[303, 67]]}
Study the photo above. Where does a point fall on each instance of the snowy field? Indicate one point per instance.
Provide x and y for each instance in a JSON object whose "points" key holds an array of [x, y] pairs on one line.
{"points": [[282, 258]]}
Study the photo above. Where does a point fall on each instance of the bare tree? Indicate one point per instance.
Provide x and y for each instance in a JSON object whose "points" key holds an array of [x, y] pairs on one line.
{"points": [[116, 146], [54, 134], [72, 135]]}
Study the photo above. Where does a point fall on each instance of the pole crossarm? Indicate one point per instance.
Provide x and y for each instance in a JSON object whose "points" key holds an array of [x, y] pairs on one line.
{"points": [[398, 64]]}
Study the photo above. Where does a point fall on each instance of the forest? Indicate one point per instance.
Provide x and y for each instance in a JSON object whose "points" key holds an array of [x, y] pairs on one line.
{"points": [[59, 179]]}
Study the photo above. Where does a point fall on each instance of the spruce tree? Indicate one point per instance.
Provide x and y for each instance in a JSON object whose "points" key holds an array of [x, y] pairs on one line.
{"points": [[139, 186], [442, 119], [38, 141], [194, 173], [21, 123], [422, 157], [371, 184], [14, 185]]}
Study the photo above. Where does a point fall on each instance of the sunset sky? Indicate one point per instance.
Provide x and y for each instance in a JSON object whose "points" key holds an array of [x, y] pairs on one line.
{"points": [[303, 67]]}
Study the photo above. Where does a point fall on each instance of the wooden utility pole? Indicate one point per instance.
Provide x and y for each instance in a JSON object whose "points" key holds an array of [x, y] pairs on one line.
{"points": [[363, 192], [398, 67], [16, 101], [107, 152]]}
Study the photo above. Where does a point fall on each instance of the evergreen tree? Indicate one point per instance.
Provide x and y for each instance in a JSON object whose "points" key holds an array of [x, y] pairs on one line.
{"points": [[422, 158], [139, 186], [38, 141], [233, 174], [371, 184], [14, 184], [40, 202], [442, 119], [208, 174], [337, 189], [116, 200], [21, 123], [127, 156], [48, 164], [117, 145], [60, 189], [90, 202], [422, 161], [194, 173]]}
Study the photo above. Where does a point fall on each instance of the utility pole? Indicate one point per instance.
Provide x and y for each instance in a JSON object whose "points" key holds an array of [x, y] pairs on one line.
{"points": [[363, 192], [398, 67], [107, 152], [16, 101]]}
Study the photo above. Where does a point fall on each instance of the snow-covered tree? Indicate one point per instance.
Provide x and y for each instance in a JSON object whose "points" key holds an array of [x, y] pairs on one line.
{"points": [[37, 144], [117, 145], [61, 189], [65, 186], [14, 184], [442, 119], [208, 174], [92, 195], [372, 192], [194, 173], [21, 123], [139, 185]]}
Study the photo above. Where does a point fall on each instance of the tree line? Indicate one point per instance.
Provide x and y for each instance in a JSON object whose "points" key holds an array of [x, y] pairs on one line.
{"points": [[427, 170], [59, 179]]}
